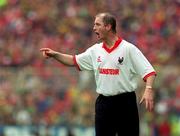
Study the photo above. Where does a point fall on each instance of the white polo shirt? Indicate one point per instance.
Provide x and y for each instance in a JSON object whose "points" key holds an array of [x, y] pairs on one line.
{"points": [[116, 69]]}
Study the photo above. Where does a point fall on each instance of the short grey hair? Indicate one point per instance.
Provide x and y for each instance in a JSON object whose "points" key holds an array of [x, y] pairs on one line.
{"points": [[108, 19]]}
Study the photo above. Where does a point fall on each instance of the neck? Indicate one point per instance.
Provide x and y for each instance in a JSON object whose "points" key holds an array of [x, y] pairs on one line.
{"points": [[110, 40]]}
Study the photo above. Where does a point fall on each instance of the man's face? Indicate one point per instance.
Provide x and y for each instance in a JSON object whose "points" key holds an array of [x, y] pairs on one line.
{"points": [[100, 28]]}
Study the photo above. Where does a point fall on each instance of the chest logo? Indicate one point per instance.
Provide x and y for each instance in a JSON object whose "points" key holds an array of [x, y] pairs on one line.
{"points": [[109, 71], [99, 59], [120, 60]]}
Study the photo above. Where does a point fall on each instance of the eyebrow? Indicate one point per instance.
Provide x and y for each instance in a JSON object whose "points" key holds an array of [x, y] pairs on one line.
{"points": [[96, 23]]}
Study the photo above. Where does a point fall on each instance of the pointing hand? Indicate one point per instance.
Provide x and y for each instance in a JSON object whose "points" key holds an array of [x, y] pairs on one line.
{"points": [[47, 52]]}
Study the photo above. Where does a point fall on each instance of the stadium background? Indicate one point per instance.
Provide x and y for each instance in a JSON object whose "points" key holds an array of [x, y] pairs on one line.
{"points": [[41, 97]]}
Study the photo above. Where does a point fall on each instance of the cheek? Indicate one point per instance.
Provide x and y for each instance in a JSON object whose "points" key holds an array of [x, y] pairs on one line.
{"points": [[101, 30]]}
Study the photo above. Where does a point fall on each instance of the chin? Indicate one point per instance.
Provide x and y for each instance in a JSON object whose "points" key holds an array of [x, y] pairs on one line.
{"points": [[101, 38]]}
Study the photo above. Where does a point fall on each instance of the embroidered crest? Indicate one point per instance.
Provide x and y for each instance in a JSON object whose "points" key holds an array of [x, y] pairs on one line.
{"points": [[120, 60]]}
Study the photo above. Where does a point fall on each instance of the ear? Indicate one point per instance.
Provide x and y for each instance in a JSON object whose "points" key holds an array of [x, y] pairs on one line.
{"points": [[108, 27]]}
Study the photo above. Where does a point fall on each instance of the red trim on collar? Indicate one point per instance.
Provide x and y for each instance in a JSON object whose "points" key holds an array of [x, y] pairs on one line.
{"points": [[109, 50]]}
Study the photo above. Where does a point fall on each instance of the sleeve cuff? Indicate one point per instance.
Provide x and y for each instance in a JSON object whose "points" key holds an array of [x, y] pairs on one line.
{"points": [[148, 75], [75, 63]]}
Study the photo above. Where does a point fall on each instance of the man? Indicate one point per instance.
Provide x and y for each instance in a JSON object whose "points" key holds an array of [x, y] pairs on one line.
{"points": [[116, 64]]}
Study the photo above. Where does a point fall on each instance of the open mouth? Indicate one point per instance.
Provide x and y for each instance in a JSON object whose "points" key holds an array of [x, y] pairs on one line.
{"points": [[98, 35]]}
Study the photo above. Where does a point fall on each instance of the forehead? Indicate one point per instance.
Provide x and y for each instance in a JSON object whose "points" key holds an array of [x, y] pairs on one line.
{"points": [[98, 19]]}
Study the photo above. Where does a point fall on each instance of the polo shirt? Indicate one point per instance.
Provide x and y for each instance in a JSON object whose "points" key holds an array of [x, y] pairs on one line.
{"points": [[116, 69]]}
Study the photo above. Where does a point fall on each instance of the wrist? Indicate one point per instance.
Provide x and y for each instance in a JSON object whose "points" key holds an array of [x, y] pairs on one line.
{"points": [[55, 55]]}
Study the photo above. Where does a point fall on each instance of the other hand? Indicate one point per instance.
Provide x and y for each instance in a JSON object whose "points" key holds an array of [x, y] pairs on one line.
{"points": [[148, 98]]}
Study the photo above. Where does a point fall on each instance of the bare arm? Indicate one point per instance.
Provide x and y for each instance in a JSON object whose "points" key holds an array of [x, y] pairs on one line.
{"points": [[62, 58], [148, 95]]}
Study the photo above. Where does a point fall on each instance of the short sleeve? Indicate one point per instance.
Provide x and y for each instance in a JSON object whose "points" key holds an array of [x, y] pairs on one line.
{"points": [[83, 61], [140, 64]]}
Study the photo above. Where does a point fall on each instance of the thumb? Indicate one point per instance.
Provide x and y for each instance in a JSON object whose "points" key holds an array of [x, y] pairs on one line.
{"points": [[142, 99], [45, 54]]}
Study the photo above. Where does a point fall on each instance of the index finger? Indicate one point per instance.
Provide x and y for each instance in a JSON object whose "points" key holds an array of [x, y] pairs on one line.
{"points": [[44, 49], [151, 105]]}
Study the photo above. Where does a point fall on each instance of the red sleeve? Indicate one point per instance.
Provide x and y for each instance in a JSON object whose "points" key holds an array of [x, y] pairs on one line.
{"points": [[148, 75], [75, 63]]}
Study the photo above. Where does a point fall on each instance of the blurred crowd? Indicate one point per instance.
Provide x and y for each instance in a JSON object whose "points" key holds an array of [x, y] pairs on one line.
{"points": [[38, 91]]}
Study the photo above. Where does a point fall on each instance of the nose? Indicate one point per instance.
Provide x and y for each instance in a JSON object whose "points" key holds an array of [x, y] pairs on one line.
{"points": [[94, 28]]}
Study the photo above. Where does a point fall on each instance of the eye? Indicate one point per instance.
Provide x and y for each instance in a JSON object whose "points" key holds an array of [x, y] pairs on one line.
{"points": [[97, 24]]}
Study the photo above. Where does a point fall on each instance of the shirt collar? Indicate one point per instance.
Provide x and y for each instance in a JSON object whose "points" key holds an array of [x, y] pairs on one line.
{"points": [[116, 44]]}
